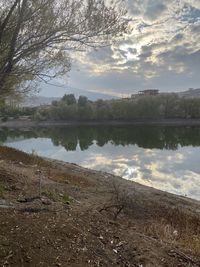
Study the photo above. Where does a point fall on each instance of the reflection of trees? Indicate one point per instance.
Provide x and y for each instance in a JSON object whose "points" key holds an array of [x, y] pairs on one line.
{"points": [[67, 139], [3, 136], [85, 138], [143, 136]]}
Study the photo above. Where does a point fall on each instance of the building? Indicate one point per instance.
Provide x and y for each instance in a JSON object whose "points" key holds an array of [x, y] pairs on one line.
{"points": [[148, 92]]}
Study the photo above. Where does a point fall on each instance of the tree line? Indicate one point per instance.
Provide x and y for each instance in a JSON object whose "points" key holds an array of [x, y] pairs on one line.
{"points": [[163, 106]]}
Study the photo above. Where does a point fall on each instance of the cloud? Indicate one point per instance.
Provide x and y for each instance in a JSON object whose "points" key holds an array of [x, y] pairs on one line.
{"points": [[154, 9], [161, 52]]}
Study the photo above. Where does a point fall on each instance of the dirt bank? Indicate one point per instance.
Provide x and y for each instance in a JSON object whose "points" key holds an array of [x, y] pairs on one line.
{"points": [[160, 122], [58, 214]]}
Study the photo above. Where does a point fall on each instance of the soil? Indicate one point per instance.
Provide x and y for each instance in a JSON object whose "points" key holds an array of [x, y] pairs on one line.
{"points": [[25, 123], [59, 214]]}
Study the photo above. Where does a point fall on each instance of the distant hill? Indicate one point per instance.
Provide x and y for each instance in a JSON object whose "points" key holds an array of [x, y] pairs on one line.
{"points": [[190, 93], [38, 100], [57, 89], [35, 101]]}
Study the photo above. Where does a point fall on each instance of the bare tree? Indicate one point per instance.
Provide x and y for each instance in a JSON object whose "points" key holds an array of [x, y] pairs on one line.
{"points": [[37, 36]]}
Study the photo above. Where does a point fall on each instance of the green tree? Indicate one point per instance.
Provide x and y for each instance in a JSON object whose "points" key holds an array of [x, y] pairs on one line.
{"points": [[82, 101], [69, 99]]}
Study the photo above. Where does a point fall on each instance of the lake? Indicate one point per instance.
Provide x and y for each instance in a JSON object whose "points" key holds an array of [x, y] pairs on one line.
{"points": [[167, 158]]}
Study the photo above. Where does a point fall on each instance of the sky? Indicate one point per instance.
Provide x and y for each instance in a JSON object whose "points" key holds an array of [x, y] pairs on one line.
{"points": [[162, 52]]}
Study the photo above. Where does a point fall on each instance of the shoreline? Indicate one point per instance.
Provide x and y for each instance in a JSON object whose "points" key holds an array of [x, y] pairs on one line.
{"points": [[128, 184], [145, 122]]}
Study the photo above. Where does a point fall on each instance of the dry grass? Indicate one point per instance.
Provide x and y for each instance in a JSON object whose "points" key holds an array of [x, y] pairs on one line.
{"points": [[1, 191], [11, 154], [57, 197], [67, 178], [171, 225], [6, 180], [122, 201], [177, 227]]}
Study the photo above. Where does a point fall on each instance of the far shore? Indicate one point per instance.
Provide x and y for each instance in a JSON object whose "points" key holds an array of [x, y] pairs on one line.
{"points": [[148, 122]]}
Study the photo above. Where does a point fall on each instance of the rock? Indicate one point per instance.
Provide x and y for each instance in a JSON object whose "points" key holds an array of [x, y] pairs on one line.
{"points": [[120, 244], [2, 202], [22, 199], [46, 201], [5, 204]]}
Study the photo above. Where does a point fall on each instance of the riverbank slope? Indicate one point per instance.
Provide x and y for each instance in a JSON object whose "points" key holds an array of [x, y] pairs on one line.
{"points": [[59, 214], [151, 122]]}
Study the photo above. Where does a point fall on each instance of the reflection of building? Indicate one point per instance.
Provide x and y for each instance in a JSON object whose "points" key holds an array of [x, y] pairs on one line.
{"points": [[149, 92]]}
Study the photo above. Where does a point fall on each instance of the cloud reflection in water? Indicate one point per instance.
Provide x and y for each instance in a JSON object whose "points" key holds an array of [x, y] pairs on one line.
{"points": [[173, 171]]}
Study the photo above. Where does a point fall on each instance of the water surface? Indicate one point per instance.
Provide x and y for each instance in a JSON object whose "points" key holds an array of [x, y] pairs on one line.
{"points": [[167, 158]]}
